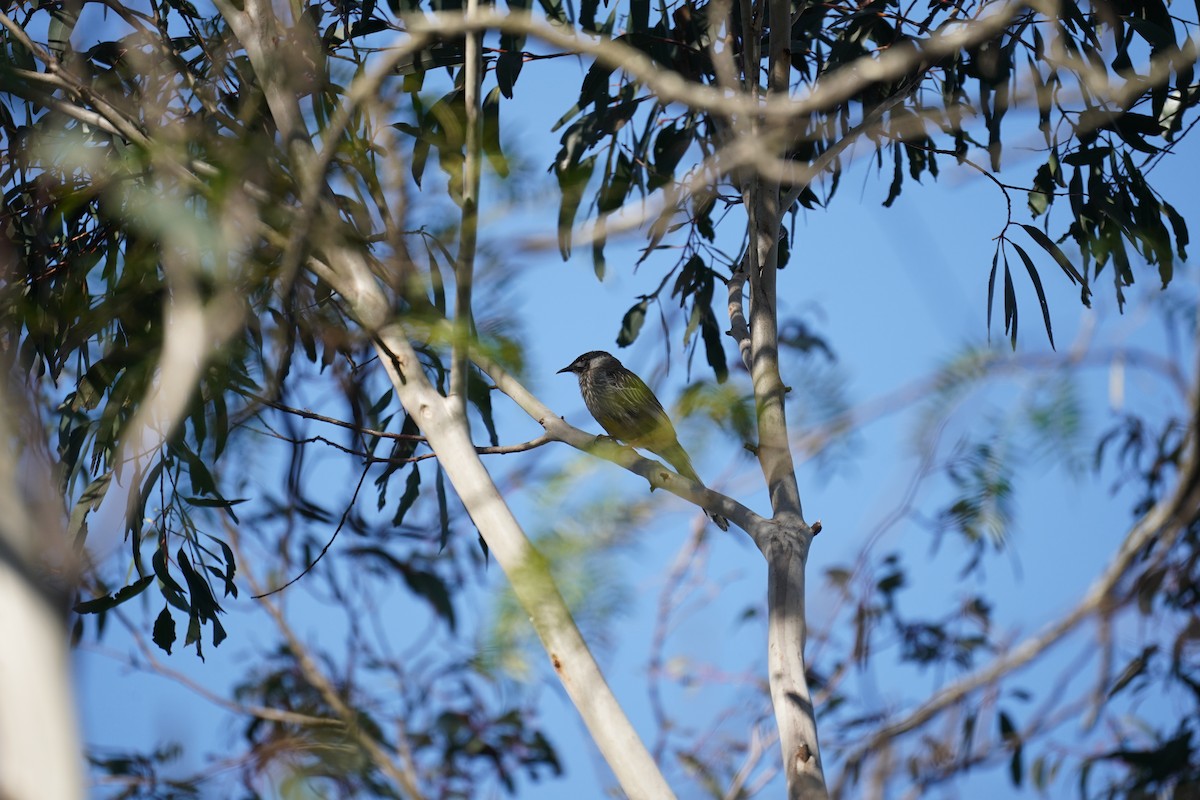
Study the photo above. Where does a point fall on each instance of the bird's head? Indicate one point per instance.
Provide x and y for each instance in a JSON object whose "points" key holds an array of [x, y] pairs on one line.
{"points": [[593, 360]]}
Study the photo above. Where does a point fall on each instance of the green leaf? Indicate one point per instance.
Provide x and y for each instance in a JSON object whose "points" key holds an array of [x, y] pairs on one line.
{"points": [[639, 16], [201, 479], [491, 133], [230, 567], [89, 500], [95, 382], [1042, 193], [616, 187], [554, 10], [968, 733], [479, 393], [587, 15], [1037, 773], [669, 147], [220, 423], [1157, 36], [599, 264], [420, 155], [97, 605], [1075, 196], [193, 635], [58, 34], [383, 402], [572, 181], [21, 57]]}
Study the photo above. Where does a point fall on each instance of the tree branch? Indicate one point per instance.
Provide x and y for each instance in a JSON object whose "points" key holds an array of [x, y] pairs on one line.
{"points": [[464, 265], [1161, 526], [448, 434], [658, 476]]}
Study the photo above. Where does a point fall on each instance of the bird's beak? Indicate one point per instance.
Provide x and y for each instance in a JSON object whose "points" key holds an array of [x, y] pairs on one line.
{"points": [[564, 369]]}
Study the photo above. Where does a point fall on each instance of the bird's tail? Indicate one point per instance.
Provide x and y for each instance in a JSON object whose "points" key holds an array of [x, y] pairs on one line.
{"points": [[677, 457]]}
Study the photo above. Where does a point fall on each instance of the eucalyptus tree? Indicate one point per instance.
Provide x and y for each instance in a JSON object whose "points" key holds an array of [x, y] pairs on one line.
{"points": [[206, 206]]}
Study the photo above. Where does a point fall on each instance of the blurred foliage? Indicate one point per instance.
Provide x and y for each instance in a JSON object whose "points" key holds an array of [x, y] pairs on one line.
{"points": [[455, 742], [143, 164], [584, 553], [990, 426], [136, 776]]}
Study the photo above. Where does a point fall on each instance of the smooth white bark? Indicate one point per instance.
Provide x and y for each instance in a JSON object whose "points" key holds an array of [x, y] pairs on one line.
{"points": [[40, 755]]}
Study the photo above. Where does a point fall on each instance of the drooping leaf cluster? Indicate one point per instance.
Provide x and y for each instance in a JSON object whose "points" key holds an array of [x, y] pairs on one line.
{"points": [[101, 230], [1112, 88], [143, 172], [1016, 721]]}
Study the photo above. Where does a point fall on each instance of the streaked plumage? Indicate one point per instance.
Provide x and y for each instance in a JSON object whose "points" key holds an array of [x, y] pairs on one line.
{"points": [[629, 412]]}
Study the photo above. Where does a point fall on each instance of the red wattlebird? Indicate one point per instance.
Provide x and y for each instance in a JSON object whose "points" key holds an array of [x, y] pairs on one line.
{"points": [[626, 408]]}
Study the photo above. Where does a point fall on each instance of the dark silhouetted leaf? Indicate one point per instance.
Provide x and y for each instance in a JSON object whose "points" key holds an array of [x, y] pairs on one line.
{"points": [[432, 588], [508, 69], [631, 325], [1037, 285], [1179, 228], [111, 601], [443, 508], [669, 146], [1091, 156], [412, 489], [991, 293], [1060, 258], [217, 502], [479, 393], [203, 603], [714, 353], [171, 590], [897, 176], [164, 630], [1134, 668], [1010, 305]]}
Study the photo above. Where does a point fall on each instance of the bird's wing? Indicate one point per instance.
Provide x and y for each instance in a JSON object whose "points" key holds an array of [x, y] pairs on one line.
{"points": [[635, 416]]}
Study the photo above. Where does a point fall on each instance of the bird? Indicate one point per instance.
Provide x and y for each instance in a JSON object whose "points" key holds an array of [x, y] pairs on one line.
{"points": [[629, 412]]}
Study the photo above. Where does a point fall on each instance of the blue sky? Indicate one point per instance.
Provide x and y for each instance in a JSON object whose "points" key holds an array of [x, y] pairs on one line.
{"points": [[896, 292]]}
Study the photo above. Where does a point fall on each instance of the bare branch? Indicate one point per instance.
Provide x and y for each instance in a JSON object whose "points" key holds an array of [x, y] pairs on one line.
{"points": [[464, 265], [1162, 524]]}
